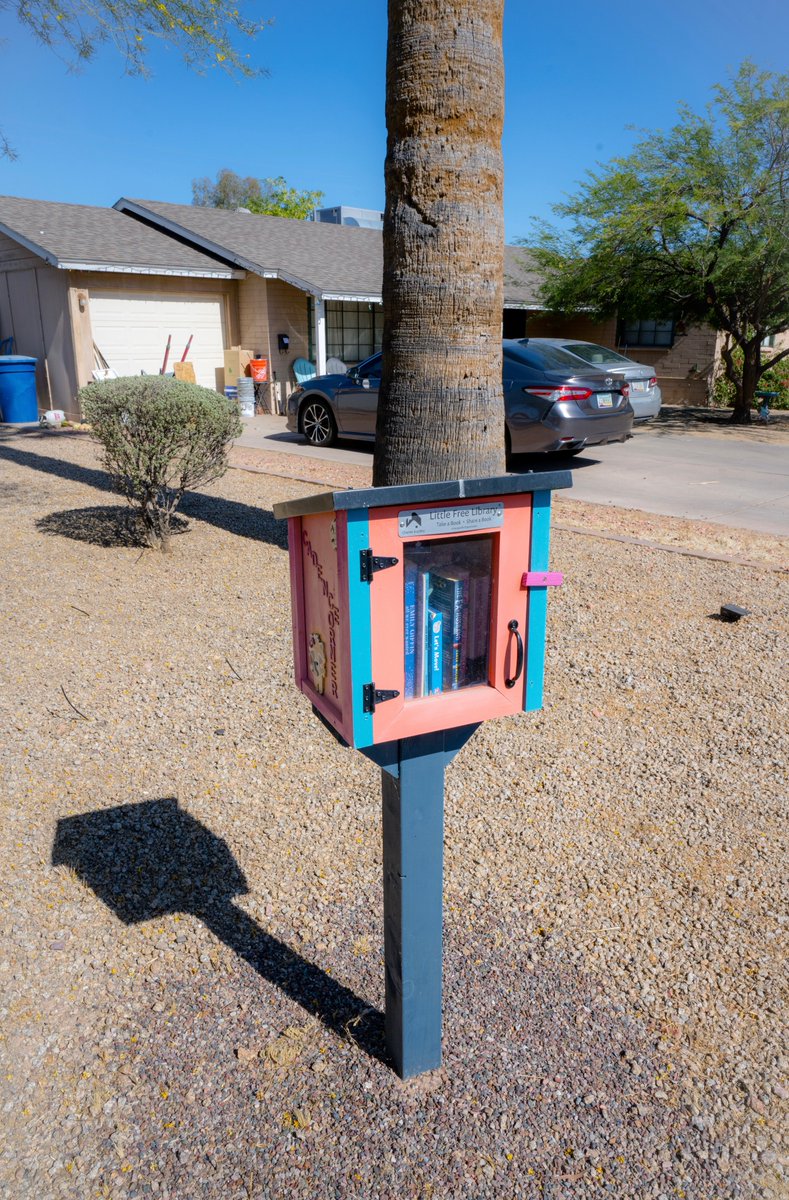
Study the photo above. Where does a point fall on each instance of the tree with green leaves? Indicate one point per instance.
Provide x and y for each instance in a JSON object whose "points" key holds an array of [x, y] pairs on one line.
{"points": [[271, 197], [692, 225], [207, 32]]}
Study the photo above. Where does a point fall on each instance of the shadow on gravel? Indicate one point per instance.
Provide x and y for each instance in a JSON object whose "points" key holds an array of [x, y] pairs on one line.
{"points": [[104, 525], [244, 520], [147, 860]]}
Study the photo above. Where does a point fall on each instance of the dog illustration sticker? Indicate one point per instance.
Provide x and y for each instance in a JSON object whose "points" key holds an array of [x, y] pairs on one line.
{"points": [[317, 662]]}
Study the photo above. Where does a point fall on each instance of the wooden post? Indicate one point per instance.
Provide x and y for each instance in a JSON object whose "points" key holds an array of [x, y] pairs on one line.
{"points": [[413, 862]]}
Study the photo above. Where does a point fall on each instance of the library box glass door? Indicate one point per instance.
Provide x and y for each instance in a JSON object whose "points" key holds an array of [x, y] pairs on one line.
{"points": [[449, 621]]}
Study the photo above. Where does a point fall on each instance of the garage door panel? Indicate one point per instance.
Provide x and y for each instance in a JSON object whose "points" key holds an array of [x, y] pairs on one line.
{"points": [[131, 331]]}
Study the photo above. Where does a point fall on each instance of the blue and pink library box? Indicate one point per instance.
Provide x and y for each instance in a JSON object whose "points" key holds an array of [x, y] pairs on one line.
{"points": [[421, 608]]}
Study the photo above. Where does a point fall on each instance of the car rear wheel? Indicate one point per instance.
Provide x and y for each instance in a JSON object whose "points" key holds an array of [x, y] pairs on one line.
{"points": [[318, 424]]}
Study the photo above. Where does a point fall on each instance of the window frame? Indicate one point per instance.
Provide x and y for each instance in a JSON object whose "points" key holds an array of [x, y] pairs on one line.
{"points": [[624, 340], [346, 330]]}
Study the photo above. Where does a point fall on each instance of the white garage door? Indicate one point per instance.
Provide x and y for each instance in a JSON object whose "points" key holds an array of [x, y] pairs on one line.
{"points": [[131, 331]]}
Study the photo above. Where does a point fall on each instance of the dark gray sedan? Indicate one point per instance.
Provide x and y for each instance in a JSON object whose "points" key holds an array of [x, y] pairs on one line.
{"points": [[551, 403], [645, 396]]}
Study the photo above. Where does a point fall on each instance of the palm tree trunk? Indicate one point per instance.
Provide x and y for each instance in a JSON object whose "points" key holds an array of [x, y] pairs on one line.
{"points": [[441, 409]]}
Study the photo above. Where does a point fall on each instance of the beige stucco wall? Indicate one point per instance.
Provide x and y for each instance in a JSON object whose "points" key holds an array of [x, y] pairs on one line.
{"points": [[287, 313], [34, 311], [268, 307], [684, 370], [253, 315], [14, 257], [582, 328]]}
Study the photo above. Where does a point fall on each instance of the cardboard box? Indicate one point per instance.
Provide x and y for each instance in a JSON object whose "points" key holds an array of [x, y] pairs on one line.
{"points": [[237, 361], [184, 371]]}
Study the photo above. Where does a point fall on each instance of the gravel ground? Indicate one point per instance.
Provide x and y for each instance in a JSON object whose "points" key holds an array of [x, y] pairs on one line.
{"points": [[191, 965]]}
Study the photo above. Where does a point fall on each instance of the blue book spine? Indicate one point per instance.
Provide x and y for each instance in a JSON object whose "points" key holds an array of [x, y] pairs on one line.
{"points": [[410, 630], [435, 656], [450, 597], [422, 605]]}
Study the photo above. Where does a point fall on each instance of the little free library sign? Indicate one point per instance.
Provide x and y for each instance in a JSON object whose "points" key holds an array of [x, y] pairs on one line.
{"points": [[418, 612]]}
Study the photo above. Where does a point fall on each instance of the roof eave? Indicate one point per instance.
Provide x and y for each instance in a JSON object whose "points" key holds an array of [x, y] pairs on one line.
{"points": [[354, 297], [150, 269]]}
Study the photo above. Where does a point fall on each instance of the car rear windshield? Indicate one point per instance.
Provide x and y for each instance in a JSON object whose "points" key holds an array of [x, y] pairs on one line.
{"points": [[594, 355], [544, 358]]}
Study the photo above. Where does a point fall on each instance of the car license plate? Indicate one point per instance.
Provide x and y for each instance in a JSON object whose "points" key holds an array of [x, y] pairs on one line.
{"points": [[605, 400], [639, 385]]}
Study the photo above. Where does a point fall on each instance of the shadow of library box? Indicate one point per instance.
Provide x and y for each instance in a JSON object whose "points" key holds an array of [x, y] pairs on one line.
{"points": [[421, 608]]}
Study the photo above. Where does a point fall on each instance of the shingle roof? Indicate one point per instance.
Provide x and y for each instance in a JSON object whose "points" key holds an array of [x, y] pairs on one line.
{"points": [[521, 280], [333, 261], [100, 239], [328, 260]]}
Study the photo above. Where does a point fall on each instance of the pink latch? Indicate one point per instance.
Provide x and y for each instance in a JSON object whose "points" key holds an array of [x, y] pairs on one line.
{"points": [[542, 579]]}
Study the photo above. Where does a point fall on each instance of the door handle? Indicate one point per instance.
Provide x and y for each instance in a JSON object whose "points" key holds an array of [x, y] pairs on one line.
{"points": [[513, 628]]}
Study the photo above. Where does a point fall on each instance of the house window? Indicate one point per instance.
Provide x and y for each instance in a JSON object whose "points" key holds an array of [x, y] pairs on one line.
{"points": [[768, 343], [353, 331], [646, 333]]}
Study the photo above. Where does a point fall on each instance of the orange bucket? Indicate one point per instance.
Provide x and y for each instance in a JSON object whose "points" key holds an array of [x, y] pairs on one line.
{"points": [[258, 369]]}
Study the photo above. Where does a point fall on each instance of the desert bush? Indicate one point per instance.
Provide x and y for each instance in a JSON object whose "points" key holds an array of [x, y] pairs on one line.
{"points": [[160, 438]]}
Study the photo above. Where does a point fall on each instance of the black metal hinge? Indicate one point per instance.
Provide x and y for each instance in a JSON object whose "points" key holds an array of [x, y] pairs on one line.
{"points": [[369, 563], [372, 695]]}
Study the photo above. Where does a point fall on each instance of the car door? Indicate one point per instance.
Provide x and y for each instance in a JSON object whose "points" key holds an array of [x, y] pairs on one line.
{"points": [[357, 399]]}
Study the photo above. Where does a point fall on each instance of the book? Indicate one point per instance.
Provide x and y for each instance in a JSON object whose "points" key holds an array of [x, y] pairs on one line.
{"points": [[422, 606], [411, 626], [434, 646], [449, 596], [478, 626]]}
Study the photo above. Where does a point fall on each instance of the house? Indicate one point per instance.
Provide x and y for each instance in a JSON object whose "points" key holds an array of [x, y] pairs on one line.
{"points": [[81, 286], [73, 276]]}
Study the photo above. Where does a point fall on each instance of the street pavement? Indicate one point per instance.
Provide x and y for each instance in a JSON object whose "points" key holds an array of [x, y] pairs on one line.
{"points": [[725, 478]]}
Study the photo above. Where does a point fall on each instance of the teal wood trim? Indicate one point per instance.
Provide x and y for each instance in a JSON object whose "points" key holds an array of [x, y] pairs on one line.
{"points": [[360, 626], [538, 602]]}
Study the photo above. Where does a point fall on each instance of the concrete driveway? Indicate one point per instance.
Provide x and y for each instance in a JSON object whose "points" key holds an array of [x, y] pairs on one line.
{"points": [[722, 474], [698, 477]]}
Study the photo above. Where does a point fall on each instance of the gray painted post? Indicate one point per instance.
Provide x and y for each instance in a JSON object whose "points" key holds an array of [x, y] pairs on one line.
{"points": [[413, 861]]}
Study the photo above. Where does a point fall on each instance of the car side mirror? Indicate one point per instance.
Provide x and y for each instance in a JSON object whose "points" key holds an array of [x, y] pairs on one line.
{"points": [[353, 374]]}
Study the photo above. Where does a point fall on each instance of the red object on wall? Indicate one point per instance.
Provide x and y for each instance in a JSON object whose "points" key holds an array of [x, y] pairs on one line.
{"points": [[258, 369]]}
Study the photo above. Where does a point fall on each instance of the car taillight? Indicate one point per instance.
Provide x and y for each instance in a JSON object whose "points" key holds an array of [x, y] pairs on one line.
{"points": [[653, 381], [560, 393], [574, 393], [626, 390]]}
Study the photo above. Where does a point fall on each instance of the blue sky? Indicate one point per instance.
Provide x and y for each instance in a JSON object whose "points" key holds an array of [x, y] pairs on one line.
{"points": [[578, 74]]}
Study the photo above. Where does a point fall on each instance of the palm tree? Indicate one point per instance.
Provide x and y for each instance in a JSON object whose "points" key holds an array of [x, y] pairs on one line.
{"points": [[441, 409]]}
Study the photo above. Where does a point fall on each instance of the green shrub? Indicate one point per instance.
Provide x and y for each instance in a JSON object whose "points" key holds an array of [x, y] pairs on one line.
{"points": [[774, 380], [160, 437]]}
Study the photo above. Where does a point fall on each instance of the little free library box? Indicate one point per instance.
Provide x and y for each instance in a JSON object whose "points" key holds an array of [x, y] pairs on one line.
{"points": [[423, 607]]}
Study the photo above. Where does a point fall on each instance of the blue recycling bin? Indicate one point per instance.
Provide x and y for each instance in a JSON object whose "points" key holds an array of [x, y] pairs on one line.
{"points": [[18, 402]]}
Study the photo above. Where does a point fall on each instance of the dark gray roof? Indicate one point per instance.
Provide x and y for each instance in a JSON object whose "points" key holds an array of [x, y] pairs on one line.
{"points": [[77, 236], [329, 260], [521, 280], [332, 261]]}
